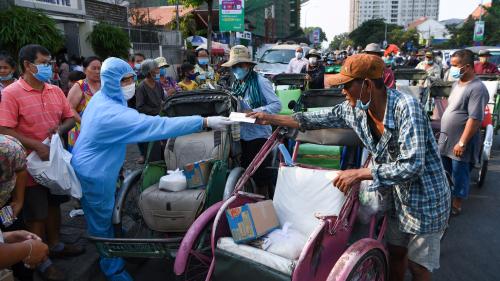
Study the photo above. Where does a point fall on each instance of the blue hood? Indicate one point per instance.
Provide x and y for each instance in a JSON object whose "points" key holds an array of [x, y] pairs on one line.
{"points": [[112, 72]]}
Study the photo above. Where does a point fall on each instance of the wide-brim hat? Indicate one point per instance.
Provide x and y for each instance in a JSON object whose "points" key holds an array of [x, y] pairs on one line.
{"points": [[162, 62], [373, 48], [313, 52], [238, 54], [359, 66]]}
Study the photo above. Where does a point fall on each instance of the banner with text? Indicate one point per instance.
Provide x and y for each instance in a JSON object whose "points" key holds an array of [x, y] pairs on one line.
{"points": [[231, 15]]}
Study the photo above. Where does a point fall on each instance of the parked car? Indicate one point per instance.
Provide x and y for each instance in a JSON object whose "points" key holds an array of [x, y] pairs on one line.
{"points": [[275, 60]]}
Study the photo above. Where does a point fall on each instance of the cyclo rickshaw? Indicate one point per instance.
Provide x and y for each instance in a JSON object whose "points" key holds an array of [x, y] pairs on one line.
{"points": [[331, 251]]}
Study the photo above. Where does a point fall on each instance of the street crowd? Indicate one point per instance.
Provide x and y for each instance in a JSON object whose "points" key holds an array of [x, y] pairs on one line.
{"points": [[99, 106]]}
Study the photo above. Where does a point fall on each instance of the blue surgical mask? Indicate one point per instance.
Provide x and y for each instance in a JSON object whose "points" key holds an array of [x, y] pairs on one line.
{"points": [[44, 72], [455, 72], [7, 77], [203, 61], [430, 62], [137, 66], [240, 73], [163, 72], [157, 77], [360, 104], [192, 76]]}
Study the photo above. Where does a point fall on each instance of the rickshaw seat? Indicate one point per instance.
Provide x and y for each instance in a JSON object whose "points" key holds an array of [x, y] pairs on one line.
{"points": [[300, 194], [337, 136]]}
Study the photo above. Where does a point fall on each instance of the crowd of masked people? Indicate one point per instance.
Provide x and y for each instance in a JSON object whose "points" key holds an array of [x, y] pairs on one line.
{"points": [[98, 107]]}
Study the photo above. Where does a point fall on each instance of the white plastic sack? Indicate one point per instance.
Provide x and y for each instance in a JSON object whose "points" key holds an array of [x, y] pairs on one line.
{"points": [[174, 181], [285, 242], [57, 174], [371, 202]]}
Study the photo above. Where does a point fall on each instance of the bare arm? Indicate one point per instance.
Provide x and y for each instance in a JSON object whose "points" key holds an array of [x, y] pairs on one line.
{"points": [[74, 98], [273, 119], [27, 142], [13, 253], [471, 128]]}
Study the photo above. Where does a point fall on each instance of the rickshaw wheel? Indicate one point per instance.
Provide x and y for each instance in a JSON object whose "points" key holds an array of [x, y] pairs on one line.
{"points": [[482, 173], [200, 257], [371, 267]]}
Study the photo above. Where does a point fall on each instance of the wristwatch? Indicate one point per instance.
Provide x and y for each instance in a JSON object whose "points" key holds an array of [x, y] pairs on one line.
{"points": [[461, 144]]}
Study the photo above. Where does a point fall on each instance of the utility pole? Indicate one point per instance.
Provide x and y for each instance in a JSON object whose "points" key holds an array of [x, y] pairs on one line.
{"points": [[177, 15]]}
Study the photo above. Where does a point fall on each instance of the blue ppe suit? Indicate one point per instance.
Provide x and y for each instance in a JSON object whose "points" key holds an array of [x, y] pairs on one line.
{"points": [[107, 127]]}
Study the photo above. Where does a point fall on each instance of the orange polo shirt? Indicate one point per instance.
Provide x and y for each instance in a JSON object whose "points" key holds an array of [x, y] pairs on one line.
{"points": [[32, 113]]}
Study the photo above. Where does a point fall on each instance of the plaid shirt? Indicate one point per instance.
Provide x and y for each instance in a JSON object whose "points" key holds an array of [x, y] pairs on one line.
{"points": [[406, 157]]}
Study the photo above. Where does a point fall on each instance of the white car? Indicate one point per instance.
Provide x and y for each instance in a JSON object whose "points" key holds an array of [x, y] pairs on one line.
{"points": [[275, 60]]}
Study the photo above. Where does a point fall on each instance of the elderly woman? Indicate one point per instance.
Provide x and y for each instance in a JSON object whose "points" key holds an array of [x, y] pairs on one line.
{"points": [[149, 96], [256, 94], [107, 127], [168, 84]]}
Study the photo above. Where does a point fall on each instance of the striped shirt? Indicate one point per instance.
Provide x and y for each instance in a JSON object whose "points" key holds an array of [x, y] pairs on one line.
{"points": [[405, 159], [32, 113]]}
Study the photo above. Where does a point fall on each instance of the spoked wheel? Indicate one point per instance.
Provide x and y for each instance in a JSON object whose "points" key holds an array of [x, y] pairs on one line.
{"points": [[200, 257], [482, 173], [371, 267], [133, 225]]}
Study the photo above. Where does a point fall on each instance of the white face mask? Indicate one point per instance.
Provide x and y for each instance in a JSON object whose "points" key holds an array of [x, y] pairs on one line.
{"points": [[128, 91], [313, 60], [298, 55]]}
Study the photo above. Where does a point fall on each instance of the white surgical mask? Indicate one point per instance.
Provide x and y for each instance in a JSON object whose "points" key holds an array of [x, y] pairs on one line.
{"points": [[313, 60], [128, 91], [298, 55]]}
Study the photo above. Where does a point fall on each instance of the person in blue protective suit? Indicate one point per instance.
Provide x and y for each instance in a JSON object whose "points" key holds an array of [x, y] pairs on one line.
{"points": [[107, 127]]}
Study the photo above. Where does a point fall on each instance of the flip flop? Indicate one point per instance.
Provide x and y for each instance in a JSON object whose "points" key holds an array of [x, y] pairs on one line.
{"points": [[455, 211]]}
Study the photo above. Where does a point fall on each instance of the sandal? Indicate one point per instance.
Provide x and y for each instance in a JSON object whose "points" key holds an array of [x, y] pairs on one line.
{"points": [[455, 211]]}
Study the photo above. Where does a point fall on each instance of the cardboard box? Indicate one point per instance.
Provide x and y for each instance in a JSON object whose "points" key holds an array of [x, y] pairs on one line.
{"points": [[251, 221], [198, 173]]}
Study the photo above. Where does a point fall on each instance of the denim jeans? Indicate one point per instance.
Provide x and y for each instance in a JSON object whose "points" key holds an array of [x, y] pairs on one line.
{"points": [[460, 174]]}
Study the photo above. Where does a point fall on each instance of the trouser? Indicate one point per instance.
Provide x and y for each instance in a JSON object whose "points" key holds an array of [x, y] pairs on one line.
{"points": [[97, 202], [460, 174]]}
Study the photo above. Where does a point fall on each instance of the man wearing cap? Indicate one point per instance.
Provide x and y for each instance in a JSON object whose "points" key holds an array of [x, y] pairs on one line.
{"points": [[433, 70], [298, 62], [374, 49], [483, 66], [314, 70], [255, 94], [393, 126]]}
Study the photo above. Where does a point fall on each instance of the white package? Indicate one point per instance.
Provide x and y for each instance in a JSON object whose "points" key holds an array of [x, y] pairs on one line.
{"points": [[174, 181], [285, 242]]}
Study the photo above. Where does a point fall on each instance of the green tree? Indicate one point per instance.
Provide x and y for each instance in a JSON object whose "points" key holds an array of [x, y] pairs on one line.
{"points": [[21, 26], [371, 31], [109, 41], [196, 3], [400, 36], [340, 41], [462, 35]]}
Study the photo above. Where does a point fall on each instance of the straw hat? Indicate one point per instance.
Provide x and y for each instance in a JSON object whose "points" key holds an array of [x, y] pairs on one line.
{"points": [[238, 54], [162, 62]]}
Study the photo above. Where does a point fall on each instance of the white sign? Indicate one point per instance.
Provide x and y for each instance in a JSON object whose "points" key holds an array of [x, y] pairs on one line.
{"points": [[65, 6], [244, 35]]}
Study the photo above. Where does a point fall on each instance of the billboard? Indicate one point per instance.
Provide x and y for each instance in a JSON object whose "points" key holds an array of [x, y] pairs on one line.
{"points": [[232, 15], [479, 31]]}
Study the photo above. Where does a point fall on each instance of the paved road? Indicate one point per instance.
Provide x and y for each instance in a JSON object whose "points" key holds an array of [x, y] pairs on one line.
{"points": [[470, 251]]}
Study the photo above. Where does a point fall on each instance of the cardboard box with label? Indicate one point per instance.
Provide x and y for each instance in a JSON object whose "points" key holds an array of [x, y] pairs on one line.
{"points": [[252, 220], [198, 173]]}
